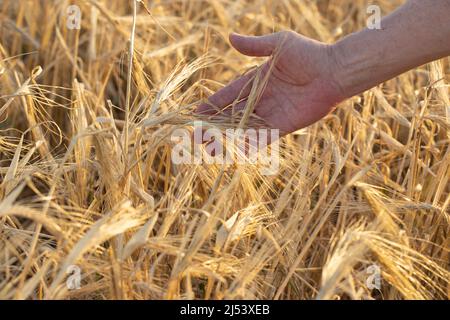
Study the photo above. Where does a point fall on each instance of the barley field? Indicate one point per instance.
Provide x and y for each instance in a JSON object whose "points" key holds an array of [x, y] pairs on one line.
{"points": [[92, 207]]}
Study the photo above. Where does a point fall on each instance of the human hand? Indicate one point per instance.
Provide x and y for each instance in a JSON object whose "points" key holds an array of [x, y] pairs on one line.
{"points": [[300, 90]]}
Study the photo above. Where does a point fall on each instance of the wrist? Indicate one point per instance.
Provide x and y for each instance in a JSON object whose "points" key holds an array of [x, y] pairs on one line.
{"points": [[356, 64]]}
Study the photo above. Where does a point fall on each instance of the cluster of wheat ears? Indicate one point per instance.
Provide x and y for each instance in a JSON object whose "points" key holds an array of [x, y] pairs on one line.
{"points": [[87, 182]]}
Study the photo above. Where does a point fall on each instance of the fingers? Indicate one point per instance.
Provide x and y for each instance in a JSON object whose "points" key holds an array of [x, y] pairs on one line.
{"points": [[261, 46], [238, 89], [233, 110]]}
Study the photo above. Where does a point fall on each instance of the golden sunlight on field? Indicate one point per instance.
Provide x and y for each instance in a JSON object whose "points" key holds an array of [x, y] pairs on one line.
{"points": [[93, 207]]}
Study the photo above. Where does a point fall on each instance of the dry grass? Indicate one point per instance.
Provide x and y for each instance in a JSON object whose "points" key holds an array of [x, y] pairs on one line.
{"points": [[86, 177]]}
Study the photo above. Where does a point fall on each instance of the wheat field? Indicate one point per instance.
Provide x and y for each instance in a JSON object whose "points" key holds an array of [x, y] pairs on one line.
{"points": [[87, 185]]}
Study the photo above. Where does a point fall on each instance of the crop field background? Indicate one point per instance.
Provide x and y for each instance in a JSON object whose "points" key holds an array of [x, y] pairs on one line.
{"points": [[359, 208]]}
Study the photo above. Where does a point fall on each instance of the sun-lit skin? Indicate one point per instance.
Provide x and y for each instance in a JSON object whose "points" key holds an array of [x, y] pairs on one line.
{"points": [[310, 78], [354, 207]]}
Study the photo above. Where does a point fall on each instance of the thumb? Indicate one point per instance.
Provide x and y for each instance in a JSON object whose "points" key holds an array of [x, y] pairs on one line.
{"points": [[261, 46]]}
